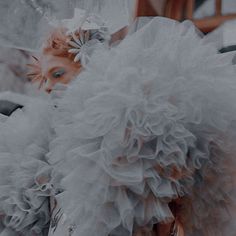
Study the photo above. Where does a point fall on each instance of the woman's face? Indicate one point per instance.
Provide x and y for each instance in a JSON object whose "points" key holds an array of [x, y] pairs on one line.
{"points": [[58, 70]]}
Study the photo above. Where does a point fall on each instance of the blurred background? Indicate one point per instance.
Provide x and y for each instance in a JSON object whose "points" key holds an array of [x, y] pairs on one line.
{"points": [[206, 14], [24, 22]]}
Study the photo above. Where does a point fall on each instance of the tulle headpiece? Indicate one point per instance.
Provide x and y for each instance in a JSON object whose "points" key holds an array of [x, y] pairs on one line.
{"points": [[72, 38]]}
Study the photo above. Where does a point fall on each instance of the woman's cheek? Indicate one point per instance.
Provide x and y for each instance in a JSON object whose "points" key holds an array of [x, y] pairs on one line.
{"points": [[69, 77], [66, 79]]}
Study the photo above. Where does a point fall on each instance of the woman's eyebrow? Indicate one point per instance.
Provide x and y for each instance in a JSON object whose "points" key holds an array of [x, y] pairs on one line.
{"points": [[53, 69]]}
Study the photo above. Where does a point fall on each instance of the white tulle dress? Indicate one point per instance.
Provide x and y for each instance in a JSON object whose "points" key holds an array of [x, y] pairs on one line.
{"points": [[24, 172], [148, 122]]}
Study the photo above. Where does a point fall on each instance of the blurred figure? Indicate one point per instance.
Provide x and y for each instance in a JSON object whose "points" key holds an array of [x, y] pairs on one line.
{"points": [[13, 70]]}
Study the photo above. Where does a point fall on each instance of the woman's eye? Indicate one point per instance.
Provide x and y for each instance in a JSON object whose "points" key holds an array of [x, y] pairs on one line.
{"points": [[57, 74]]}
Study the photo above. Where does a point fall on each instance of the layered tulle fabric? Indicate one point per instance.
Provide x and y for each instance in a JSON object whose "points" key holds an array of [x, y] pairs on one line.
{"points": [[24, 173], [147, 122]]}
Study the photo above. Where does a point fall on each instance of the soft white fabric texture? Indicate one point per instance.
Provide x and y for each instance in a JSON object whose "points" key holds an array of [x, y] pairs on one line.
{"points": [[24, 173], [35, 17], [162, 100]]}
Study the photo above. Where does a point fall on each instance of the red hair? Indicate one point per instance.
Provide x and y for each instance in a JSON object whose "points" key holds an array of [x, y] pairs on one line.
{"points": [[57, 44]]}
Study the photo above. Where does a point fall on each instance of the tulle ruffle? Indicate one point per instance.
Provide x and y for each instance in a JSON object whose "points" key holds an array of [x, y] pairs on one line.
{"points": [[148, 122], [24, 173]]}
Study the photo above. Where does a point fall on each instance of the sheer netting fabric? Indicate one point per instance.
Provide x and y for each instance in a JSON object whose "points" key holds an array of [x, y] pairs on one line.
{"points": [[25, 175], [147, 122]]}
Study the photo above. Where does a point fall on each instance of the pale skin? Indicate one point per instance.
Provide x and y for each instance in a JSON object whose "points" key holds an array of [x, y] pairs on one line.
{"points": [[58, 70]]}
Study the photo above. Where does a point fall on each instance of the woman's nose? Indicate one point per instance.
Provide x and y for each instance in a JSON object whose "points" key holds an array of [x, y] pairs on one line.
{"points": [[49, 85]]}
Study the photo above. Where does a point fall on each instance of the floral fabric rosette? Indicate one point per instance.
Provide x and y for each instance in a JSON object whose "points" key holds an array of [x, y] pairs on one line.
{"points": [[86, 32]]}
